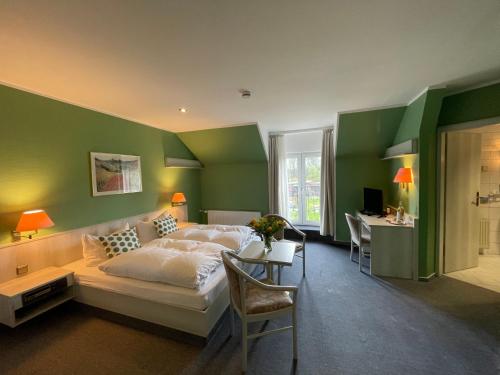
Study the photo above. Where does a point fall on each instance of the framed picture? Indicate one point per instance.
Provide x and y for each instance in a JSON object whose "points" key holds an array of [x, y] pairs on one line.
{"points": [[115, 174]]}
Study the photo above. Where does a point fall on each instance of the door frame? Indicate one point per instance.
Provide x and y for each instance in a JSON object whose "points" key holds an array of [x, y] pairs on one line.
{"points": [[441, 175]]}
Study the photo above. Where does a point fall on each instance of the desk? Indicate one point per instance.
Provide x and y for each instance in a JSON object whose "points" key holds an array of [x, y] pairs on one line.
{"points": [[393, 247]]}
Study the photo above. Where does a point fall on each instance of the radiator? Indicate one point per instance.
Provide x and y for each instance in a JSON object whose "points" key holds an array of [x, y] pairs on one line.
{"points": [[231, 217], [484, 233]]}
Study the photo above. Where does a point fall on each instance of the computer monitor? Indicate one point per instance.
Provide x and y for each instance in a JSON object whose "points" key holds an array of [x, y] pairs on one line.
{"points": [[373, 201]]}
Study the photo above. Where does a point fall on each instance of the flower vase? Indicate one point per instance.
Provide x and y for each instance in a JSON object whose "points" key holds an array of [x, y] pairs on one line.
{"points": [[267, 243]]}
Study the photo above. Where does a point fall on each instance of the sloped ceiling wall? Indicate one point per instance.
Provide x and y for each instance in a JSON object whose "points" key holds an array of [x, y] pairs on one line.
{"points": [[238, 144], [235, 173], [362, 138]]}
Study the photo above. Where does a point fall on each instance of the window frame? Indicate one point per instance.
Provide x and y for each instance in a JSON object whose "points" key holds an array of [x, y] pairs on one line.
{"points": [[301, 203]]}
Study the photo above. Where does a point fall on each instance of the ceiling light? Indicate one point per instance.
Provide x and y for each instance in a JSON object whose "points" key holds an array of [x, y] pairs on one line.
{"points": [[182, 110], [245, 93]]}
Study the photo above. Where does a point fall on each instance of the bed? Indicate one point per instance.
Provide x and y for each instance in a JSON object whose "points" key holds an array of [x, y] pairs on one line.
{"points": [[188, 310], [195, 311]]}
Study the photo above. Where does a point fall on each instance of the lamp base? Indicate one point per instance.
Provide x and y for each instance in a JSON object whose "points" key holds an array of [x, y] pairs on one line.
{"points": [[17, 236]]}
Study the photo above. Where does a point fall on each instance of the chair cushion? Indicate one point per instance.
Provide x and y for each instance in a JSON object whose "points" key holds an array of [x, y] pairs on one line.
{"points": [[262, 301], [298, 245]]}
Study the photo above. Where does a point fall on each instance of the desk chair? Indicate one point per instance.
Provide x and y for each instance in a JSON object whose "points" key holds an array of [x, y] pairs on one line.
{"points": [[255, 300], [360, 239], [300, 246]]}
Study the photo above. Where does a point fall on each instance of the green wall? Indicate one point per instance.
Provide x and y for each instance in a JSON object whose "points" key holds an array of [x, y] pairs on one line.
{"points": [[361, 141], [363, 138], [230, 145], [44, 161], [241, 186], [471, 105], [427, 190], [419, 198], [424, 115], [408, 129], [235, 167]]}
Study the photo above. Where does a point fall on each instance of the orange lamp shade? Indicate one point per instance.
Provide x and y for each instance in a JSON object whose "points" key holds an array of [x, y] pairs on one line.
{"points": [[403, 175], [178, 198], [34, 220]]}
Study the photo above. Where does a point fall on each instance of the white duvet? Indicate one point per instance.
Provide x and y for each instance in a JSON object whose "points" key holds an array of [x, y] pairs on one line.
{"points": [[233, 237], [184, 263]]}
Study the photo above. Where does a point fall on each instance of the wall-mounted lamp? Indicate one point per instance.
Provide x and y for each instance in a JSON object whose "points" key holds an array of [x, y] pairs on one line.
{"points": [[403, 176], [32, 221], [178, 199]]}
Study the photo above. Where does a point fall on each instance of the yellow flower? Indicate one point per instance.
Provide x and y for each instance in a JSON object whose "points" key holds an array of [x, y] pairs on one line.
{"points": [[269, 229]]}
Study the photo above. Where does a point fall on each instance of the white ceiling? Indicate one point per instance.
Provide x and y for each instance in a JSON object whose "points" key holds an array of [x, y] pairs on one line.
{"points": [[303, 60]]}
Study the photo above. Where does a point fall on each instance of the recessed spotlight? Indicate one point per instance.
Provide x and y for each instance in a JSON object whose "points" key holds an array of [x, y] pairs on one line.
{"points": [[183, 110]]}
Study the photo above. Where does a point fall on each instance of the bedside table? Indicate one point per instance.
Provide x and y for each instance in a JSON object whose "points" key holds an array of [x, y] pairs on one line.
{"points": [[28, 296]]}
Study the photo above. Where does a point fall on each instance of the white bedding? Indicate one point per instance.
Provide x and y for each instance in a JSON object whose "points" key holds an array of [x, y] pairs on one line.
{"points": [[234, 237], [195, 299], [183, 263]]}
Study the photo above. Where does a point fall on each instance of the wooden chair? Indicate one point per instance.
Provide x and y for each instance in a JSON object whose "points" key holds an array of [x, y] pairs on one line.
{"points": [[360, 239], [300, 246], [255, 300]]}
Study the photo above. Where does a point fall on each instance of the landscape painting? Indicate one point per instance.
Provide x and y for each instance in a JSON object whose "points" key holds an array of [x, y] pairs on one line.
{"points": [[115, 174]]}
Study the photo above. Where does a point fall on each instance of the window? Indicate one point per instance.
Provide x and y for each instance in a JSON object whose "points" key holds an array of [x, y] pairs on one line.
{"points": [[303, 178]]}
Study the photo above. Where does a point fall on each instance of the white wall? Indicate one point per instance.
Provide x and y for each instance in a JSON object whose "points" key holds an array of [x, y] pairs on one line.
{"points": [[303, 142], [490, 184]]}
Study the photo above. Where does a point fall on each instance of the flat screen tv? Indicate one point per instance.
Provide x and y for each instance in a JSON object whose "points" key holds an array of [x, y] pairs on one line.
{"points": [[373, 201]]}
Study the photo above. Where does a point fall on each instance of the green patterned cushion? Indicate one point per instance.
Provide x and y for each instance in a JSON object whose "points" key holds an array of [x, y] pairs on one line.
{"points": [[120, 242], [165, 225]]}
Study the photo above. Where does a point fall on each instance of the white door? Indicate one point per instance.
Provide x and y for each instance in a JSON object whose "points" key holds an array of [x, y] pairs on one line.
{"points": [[463, 172]]}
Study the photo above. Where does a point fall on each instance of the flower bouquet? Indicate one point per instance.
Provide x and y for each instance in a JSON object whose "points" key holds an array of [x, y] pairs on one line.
{"points": [[266, 227]]}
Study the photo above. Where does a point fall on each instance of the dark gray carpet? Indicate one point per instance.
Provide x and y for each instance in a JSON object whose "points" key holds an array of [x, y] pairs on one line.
{"points": [[349, 323]]}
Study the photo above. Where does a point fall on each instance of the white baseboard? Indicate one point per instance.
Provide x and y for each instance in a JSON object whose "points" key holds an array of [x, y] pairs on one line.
{"points": [[426, 278]]}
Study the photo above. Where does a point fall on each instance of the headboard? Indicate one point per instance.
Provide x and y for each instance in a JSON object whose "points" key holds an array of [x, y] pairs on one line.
{"points": [[62, 248]]}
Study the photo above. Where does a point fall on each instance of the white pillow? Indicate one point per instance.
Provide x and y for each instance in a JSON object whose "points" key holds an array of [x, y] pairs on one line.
{"points": [[146, 230], [93, 251]]}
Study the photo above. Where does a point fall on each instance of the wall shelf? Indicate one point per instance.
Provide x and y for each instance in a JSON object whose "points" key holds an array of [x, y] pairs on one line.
{"points": [[402, 149], [182, 163]]}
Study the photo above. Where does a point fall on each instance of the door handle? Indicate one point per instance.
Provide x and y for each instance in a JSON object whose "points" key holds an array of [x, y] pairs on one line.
{"points": [[476, 202]]}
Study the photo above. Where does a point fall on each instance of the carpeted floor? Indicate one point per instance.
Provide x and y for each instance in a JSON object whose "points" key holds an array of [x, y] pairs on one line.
{"points": [[349, 323]]}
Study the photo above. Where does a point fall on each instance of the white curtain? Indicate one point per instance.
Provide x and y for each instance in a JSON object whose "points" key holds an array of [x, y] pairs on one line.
{"points": [[278, 195], [327, 200]]}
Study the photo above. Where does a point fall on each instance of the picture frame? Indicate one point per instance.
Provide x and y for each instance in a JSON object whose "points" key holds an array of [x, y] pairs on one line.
{"points": [[115, 174]]}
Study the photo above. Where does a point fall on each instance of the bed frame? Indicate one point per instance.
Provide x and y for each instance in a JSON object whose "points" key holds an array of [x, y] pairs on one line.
{"points": [[199, 323]]}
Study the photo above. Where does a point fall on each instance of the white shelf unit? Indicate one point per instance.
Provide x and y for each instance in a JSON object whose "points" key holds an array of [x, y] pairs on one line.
{"points": [[12, 309]]}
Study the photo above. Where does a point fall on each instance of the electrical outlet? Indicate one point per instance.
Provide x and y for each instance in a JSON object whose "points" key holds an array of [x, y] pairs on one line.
{"points": [[21, 269]]}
